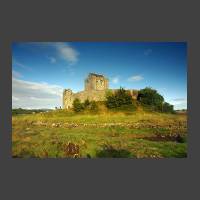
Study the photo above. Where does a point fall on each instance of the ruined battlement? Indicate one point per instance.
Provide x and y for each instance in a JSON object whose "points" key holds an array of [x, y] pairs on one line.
{"points": [[96, 86], [96, 82]]}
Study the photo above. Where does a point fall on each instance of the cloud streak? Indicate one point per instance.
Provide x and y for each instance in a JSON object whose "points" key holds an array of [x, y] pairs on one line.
{"points": [[66, 52], [115, 80], [62, 50], [16, 74], [52, 60], [135, 78], [178, 100], [179, 103], [19, 64], [27, 94]]}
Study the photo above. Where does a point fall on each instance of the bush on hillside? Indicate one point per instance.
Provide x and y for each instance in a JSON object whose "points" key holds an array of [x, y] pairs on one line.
{"points": [[93, 106], [86, 103], [168, 107], [149, 96], [85, 106], [118, 99], [152, 100], [77, 105], [109, 92]]}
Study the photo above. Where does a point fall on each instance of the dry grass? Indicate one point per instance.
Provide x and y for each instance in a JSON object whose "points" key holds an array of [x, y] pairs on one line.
{"points": [[111, 134]]}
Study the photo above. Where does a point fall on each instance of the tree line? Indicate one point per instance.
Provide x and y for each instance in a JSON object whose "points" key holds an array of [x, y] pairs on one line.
{"points": [[122, 100], [17, 111]]}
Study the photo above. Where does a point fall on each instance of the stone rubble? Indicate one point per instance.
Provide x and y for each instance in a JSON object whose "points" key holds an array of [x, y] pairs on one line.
{"points": [[104, 125]]}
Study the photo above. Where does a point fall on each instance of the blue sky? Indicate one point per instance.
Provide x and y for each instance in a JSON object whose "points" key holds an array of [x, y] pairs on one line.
{"points": [[41, 70]]}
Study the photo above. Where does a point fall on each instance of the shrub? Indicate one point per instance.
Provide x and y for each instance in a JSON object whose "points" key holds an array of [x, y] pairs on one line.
{"points": [[167, 107], [111, 101], [151, 97], [86, 103], [118, 99], [109, 151], [181, 138], [108, 93], [77, 105], [152, 100], [93, 106]]}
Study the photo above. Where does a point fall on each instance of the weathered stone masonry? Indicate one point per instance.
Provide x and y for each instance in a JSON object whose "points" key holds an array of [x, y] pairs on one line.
{"points": [[96, 86]]}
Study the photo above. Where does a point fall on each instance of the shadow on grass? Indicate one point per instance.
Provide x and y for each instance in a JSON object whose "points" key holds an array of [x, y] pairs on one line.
{"points": [[162, 138], [109, 152]]}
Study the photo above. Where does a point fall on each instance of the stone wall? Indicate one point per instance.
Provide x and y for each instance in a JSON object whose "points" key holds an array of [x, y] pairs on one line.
{"points": [[95, 89], [95, 95]]}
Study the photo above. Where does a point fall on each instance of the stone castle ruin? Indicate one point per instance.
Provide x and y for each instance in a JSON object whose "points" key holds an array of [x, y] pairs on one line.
{"points": [[96, 86]]}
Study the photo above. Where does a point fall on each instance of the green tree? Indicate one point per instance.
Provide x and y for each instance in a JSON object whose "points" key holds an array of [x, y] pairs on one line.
{"points": [[93, 106], [168, 107], [86, 103], [154, 100], [77, 105], [120, 98], [109, 92], [111, 101], [151, 97]]}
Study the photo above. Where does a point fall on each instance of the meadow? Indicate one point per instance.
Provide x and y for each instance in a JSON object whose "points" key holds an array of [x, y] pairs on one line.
{"points": [[65, 134]]}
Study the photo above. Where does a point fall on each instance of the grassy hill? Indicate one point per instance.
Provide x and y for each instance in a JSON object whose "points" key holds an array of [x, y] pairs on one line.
{"points": [[61, 133]]}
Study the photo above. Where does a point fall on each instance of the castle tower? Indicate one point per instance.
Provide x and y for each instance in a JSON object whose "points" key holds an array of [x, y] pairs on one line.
{"points": [[96, 82], [67, 98], [95, 89]]}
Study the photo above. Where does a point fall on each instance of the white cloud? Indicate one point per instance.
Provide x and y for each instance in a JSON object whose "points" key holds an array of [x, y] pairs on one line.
{"points": [[178, 100], [179, 103], [52, 60], [16, 74], [15, 98], [115, 80], [67, 52], [63, 50], [27, 94], [19, 64], [135, 78]]}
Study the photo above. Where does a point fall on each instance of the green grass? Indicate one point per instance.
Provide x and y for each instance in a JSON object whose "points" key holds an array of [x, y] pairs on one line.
{"points": [[33, 139]]}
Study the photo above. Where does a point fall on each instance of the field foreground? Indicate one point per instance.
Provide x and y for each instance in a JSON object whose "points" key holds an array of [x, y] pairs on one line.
{"points": [[61, 134]]}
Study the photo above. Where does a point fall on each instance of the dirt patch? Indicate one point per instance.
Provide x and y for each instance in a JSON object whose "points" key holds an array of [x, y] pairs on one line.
{"points": [[165, 138]]}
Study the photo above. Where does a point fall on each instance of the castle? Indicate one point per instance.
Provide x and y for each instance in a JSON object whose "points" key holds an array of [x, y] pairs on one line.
{"points": [[96, 86]]}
